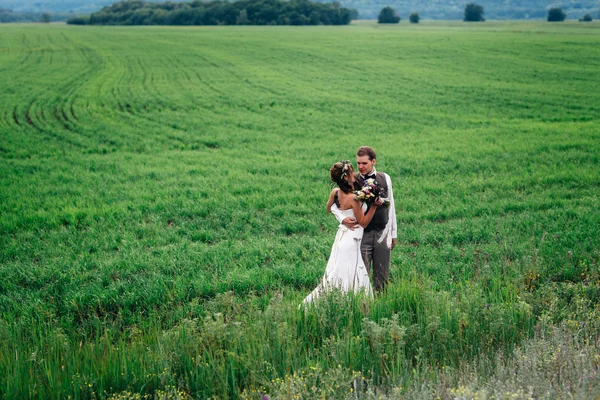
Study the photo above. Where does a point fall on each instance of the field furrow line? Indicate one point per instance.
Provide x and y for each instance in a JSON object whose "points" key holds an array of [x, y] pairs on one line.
{"points": [[207, 84], [61, 101], [184, 86], [121, 89], [145, 85], [24, 89], [151, 93], [94, 64], [143, 128], [187, 88], [126, 102], [15, 117], [189, 69], [223, 66], [28, 117], [72, 110], [5, 118], [62, 121], [64, 105]]}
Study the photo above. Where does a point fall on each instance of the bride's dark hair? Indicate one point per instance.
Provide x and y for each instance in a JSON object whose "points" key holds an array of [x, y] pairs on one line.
{"points": [[338, 173]]}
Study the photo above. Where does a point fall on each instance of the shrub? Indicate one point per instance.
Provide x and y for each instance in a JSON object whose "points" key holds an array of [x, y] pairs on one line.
{"points": [[45, 18], [556, 15], [388, 16], [414, 18], [586, 18]]}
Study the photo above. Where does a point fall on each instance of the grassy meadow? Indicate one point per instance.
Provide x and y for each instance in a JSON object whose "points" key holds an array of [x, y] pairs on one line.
{"points": [[162, 211]]}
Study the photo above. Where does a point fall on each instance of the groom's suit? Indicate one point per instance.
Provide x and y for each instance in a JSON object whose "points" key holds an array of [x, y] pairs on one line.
{"points": [[377, 237]]}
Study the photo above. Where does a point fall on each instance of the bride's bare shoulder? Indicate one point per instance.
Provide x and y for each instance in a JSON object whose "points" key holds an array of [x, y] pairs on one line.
{"points": [[346, 200]]}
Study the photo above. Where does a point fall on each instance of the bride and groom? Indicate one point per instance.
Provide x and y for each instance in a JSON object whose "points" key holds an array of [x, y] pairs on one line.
{"points": [[367, 231]]}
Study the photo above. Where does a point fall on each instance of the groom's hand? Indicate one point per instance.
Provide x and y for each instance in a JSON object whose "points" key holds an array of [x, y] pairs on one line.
{"points": [[393, 244], [350, 223]]}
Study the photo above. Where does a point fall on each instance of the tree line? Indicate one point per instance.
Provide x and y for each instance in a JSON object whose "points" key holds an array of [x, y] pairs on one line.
{"points": [[494, 9], [472, 13], [220, 12], [7, 15]]}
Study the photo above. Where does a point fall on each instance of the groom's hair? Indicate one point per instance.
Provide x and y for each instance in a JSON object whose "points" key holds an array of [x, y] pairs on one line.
{"points": [[366, 151]]}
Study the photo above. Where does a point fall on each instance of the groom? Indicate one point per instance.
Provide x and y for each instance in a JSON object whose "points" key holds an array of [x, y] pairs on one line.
{"points": [[379, 237]]}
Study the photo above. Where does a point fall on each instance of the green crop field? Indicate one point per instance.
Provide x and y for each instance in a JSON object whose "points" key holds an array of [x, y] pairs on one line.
{"points": [[162, 211]]}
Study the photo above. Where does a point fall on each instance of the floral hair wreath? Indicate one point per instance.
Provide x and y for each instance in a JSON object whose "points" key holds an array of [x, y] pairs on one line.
{"points": [[345, 167]]}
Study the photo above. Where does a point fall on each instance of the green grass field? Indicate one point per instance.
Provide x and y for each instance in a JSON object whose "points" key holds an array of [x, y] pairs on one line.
{"points": [[162, 210]]}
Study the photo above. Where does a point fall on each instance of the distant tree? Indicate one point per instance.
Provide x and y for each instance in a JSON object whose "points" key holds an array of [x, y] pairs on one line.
{"points": [[556, 15], [139, 17], [474, 13], [414, 18], [45, 17], [79, 20], [242, 19], [160, 17], [586, 18], [388, 16], [353, 14], [181, 16], [296, 18]]}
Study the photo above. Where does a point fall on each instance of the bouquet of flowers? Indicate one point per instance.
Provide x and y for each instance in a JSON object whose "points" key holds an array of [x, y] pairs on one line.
{"points": [[371, 191]]}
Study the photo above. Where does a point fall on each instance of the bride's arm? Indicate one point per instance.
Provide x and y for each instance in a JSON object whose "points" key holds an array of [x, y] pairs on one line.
{"points": [[362, 218], [331, 200]]}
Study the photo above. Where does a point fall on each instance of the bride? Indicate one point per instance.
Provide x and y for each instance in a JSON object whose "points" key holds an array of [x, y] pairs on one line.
{"points": [[345, 269]]}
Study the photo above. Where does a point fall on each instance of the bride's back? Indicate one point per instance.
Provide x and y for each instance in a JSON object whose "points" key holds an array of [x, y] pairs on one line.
{"points": [[346, 200]]}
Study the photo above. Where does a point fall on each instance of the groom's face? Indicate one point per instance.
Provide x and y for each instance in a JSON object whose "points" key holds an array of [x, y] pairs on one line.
{"points": [[365, 165]]}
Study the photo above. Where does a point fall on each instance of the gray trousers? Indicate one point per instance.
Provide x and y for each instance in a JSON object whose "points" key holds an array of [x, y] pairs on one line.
{"points": [[376, 257]]}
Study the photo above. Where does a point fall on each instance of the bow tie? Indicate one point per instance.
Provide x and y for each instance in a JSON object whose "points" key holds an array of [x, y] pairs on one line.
{"points": [[369, 177]]}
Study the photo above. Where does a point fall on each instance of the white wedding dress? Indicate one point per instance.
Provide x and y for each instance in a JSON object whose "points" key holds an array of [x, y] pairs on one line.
{"points": [[345, 269]]}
